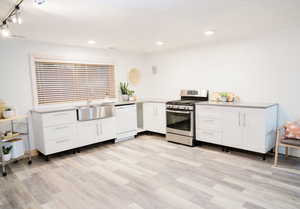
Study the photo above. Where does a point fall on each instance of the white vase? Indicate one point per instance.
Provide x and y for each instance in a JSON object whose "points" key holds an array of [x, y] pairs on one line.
{"points": [[6, 157], [125, 97], [9, 114]]}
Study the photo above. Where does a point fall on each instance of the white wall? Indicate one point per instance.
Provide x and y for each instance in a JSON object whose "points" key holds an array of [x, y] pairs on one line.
{"points": [[266, 69], [15, 76], [15, 72]]}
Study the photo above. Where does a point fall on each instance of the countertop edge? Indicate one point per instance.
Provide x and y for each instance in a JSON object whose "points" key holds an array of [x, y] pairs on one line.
{"points": [[116, 104], [240, 105]]}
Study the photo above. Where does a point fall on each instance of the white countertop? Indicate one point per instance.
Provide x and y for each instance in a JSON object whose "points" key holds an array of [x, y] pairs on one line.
{"points": [[238, 104], [73, 107]]}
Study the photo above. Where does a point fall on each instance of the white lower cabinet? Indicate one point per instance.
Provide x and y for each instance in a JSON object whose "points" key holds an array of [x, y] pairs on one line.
{"points": [[232, 131], [94, 131], [154, 117], [60, 131], [55, 132], [87, 132], [58, 138], [126, 121], [252, 129], [107, 129]]}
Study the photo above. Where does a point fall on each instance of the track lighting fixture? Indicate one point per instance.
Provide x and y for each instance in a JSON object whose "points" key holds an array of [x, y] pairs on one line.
{"points": [[14, 16]]}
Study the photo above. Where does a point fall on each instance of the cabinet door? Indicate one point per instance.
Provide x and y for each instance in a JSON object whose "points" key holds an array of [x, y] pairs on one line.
{"points": [[126, 117], [253, 121], [160, 118], [59, 138], [232, 127], [209, 124], [107, 129], [149, 116], [88, 132]]}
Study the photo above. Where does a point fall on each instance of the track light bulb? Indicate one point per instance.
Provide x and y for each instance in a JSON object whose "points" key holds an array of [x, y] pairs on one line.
{"points": [[5, 31], [19, 20], [14, 19]]}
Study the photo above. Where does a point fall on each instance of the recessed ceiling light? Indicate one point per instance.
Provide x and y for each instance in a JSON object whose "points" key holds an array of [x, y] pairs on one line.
{"points": [[91, 42], [209, 32], [39, 2], [159, 43]]}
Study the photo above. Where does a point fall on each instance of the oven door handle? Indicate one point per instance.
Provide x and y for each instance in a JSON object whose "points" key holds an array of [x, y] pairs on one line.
{"points": [[175, 111]]}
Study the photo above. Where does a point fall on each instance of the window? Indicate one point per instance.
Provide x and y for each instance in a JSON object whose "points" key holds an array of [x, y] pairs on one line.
{"points": [[58, 82]]}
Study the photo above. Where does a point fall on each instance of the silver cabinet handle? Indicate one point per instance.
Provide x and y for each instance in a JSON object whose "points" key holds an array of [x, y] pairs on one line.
{"points": [[244, 119], [62, 141], [239, 119], [60, 114], [100, 127], [61, 127], [209, 121], [97, 126]]}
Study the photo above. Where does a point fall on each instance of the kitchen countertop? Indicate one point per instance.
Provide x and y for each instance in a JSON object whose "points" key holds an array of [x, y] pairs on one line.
{"points": [[238, 104], [52, 109], [119, 103]]}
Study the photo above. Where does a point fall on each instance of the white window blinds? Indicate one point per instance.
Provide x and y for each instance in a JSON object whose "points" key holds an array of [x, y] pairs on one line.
{"points": [[69, 82]]}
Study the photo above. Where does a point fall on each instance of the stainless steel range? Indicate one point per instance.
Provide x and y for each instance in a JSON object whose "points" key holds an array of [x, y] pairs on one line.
{"points": [[181, 116]]}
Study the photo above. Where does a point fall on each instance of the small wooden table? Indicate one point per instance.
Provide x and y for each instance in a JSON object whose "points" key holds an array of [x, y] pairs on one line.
{"points": [[7, 139]]}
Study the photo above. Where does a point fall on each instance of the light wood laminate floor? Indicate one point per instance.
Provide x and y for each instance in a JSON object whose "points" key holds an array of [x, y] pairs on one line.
{"points": [[150, 173]]}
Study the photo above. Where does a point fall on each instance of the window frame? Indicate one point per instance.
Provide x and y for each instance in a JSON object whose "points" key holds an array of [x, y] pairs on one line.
{"points": [[39, 58]]}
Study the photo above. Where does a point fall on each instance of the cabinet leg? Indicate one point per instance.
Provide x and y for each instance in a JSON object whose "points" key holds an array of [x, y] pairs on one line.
{"points": [[4, 170], [286, 153], [47, 158], [78, 150], [264, 156], [74, 151]]}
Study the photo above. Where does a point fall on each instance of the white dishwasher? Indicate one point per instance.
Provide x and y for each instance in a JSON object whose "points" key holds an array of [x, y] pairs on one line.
{"points": [[126, 119]]}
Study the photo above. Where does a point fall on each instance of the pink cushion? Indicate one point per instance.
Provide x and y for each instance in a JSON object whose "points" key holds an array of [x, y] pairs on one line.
{"points": [[292, 130]]}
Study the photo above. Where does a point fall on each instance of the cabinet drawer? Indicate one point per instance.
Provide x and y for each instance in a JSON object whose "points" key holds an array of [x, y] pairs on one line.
{"points": [[209, 123], [58, 118], [210, 136], [207, 112], [58, 132], [59, 145]]}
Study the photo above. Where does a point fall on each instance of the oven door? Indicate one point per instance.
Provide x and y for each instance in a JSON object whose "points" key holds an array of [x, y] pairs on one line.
{"points": [[180, 122]]}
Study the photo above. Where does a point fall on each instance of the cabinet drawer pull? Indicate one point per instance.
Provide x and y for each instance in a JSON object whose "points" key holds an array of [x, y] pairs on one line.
{"points": [[60, 114], [62, 141], [62, 127], [208, 121]]}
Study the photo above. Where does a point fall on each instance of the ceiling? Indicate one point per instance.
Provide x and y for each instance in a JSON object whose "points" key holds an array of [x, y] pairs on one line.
{"points": [[135, 25]]}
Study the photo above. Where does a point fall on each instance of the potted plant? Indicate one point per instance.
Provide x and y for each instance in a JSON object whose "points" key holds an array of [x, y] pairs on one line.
{"points": [[223, 96], [130, 94], [124, 91], [9, 113], [6, 153]]}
